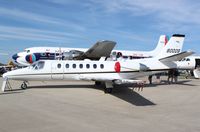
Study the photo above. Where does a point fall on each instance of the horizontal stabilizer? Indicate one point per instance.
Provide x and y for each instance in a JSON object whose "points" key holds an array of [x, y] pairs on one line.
{"points": [[178, 35], [176, 57]]}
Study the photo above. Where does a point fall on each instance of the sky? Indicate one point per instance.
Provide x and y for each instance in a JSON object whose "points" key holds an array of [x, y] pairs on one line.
{"points": [[133, 24]]}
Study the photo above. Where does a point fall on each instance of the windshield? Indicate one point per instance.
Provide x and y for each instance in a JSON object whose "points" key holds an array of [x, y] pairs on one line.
{"points": [[27, 51], [38, 65]]}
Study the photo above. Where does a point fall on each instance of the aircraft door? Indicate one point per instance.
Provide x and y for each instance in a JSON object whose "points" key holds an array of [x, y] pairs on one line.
{"points": [[57, 71], [197, 61]]}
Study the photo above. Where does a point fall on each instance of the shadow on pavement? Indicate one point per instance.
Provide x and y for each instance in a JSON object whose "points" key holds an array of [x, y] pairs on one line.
{"points": [[163, 82], [14, 91], [129, 95], [122, 92]]}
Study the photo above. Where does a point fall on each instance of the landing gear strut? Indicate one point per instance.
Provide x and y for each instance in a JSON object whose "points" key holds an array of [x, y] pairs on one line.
{"points": [[97, 83], [108, 87], [24, 85]]}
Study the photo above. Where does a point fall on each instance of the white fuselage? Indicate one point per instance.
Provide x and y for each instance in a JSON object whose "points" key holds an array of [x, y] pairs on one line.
{"points": [[21, 59], [89, 70]]}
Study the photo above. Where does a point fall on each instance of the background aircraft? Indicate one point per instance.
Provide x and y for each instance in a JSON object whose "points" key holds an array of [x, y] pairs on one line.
{"points": [[191, 63], [108, 72], [101, 48]]}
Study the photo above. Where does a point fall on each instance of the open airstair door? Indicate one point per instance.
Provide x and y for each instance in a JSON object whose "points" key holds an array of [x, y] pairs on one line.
{"points": [[196, 71], [197, 61], [57, 69]]}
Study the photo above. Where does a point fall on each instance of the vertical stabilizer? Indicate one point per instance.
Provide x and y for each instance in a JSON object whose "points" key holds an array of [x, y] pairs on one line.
{"points": [[161, 44], [172, 47]]}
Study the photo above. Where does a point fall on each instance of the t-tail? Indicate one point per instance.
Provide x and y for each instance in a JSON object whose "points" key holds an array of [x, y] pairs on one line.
{"points": [[172, 47]]}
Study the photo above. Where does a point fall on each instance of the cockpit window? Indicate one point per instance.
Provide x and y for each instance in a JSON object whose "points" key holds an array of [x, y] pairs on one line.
{"points": [[38, 65], [27, 51], [187, 59]]}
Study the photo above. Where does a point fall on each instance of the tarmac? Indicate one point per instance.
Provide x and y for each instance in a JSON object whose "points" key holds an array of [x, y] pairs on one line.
{"points": [[79, 106]]}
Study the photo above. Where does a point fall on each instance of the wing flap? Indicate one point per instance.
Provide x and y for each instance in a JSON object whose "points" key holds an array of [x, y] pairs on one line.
{"points": [[127, 81]]}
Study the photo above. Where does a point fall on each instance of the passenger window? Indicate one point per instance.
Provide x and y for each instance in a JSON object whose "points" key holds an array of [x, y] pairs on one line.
{"points": [[74, 65], [59, 66], [119, 54], [81, 66], [67, 65], [94, 66], [87, 66], [43, 54], [102, 66]]}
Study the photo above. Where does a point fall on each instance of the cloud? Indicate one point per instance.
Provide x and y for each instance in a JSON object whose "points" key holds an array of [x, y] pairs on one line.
{"points": [[4, 54], [59, 1], [29, 17], [21, 33], [166, 13]]}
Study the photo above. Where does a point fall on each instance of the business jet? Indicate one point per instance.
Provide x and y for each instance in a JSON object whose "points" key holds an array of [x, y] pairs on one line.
{"points": [[107, 72], [101, 48]]}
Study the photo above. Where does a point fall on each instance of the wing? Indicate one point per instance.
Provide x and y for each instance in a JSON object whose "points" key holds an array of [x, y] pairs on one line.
{"points": [[100, 49], [108, 79]]}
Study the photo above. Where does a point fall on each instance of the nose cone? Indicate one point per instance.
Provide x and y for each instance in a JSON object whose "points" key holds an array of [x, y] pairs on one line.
{"points": [[11, 74], [14, 57], [5, 75]]}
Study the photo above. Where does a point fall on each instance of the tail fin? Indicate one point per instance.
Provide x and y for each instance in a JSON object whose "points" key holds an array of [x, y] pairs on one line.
{"points": [[173, 46], [161, 43]]}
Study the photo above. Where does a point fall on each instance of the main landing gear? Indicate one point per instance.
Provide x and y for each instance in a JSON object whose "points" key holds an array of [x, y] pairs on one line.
{"points": [[98, 83], [108, 86], [108, 90], [24, 85]]}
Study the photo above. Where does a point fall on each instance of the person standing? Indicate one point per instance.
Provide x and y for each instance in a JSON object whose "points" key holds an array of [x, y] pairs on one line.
{"points": [[176, 73], [150, 79], [170, 76]]}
